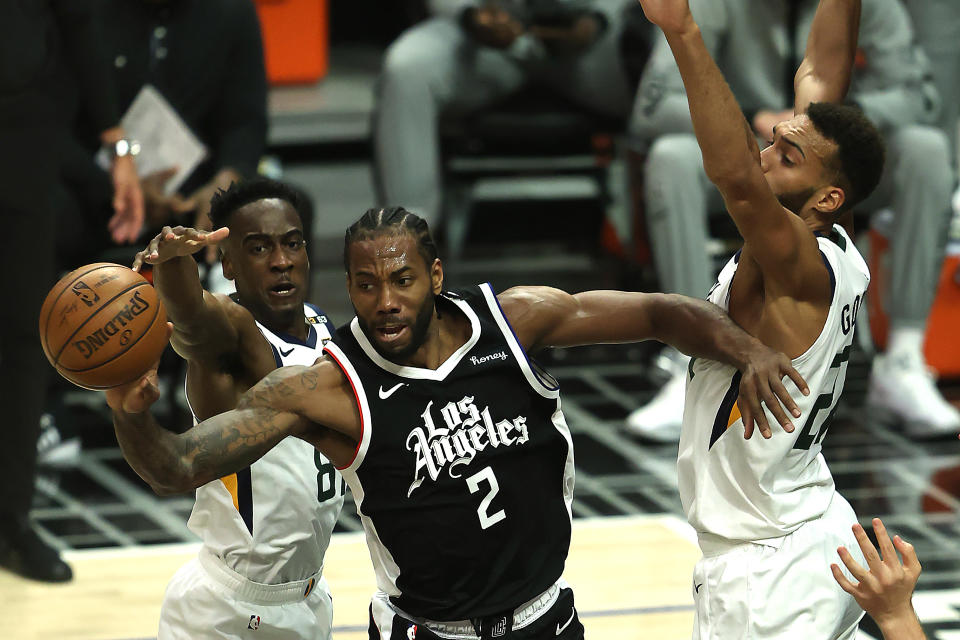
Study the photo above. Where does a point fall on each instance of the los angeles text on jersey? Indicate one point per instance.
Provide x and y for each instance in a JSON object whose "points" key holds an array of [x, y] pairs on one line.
{"points": [[467, 431]]}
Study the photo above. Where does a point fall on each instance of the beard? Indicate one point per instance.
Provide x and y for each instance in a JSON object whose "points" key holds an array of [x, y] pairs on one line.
{"points": [[418, 332], [795, 200]]}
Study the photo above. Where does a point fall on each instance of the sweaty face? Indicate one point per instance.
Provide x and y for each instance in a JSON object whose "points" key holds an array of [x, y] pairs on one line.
{"points": [[794, 163], [265, 254], [392, 290]]}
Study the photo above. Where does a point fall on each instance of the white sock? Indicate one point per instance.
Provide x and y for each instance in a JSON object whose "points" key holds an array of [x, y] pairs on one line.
{"points": [[906, 343]]}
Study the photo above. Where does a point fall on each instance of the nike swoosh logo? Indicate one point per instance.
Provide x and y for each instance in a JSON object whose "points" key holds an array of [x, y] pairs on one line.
{"points": [[696, 588], [389, 392], [285, 353], [566, 624]]}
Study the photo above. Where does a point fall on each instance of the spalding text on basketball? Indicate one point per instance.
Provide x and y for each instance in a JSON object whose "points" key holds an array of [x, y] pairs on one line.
{"points": [[93, 341]]}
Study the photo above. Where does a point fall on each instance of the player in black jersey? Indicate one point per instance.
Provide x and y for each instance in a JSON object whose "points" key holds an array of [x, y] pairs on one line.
{"points": [[451, 438]]}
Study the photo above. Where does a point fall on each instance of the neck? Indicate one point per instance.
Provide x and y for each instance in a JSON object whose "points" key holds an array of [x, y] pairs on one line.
{"points": [[448, 331], [292, 324]]}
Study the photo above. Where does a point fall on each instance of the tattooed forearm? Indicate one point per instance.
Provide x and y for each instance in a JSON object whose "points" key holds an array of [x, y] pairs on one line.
{"points": [[233, 440], [172, 463]]}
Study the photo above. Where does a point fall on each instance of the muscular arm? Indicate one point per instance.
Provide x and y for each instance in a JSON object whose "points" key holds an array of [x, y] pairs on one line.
{"points": [[202, 329], [824, 74], [291, 401], [547, 317], [777, 240]]}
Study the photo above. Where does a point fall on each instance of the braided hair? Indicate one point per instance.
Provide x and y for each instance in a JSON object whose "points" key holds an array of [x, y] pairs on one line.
{"points": [[390, 221]]}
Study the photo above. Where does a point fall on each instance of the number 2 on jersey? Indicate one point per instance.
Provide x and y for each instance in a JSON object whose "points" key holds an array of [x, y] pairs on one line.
{"points": [[473, 483], [815, 429]]}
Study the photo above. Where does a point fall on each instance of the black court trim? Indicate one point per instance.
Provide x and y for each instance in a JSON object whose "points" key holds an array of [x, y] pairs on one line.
{"points": [[245, 497]]}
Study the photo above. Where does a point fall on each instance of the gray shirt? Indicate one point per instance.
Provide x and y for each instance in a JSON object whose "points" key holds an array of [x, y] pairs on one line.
{"points": [[750, 42]]}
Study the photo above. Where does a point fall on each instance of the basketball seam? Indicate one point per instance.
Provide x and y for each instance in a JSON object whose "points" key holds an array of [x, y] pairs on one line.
{"points": [[53, 305], [56, 360], [153, 321]]}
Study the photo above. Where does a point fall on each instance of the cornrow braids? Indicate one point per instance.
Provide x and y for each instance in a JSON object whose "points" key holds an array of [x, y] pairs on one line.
{"points": [[390, 221]]}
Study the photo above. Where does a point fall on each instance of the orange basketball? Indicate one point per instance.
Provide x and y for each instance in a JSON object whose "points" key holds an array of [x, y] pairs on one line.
{"points": [[102, 326]]}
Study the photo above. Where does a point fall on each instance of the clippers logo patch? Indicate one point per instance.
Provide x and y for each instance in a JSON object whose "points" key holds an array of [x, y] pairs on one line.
{"points": [[499, 628]]}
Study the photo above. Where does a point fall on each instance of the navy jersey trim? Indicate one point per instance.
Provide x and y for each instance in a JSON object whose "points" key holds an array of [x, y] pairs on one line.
{"points": [[549, 382], [276, 355], [326, 319], [833, 277], [310, 342], [726, 406], [245, 497]]}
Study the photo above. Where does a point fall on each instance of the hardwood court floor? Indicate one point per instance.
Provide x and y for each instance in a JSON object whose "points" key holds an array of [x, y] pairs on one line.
{"points": [[631, 578]]}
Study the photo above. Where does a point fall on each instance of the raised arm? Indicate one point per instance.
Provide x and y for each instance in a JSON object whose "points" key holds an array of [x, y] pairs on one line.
{"points": [[547, 317], [824, 74], [290, 401], [203, 328], [776, 239]]}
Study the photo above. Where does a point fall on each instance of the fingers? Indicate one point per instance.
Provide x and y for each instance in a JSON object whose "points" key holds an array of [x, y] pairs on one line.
{"points": [[886, 547], [910, 561], [841, 579], [797, 379], [869, 551], [773, 404], [852, 565], [784, 396], [747, 416]]}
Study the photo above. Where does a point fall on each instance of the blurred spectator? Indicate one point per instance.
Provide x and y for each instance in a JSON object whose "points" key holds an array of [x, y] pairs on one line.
{"points": [[758, 46], [472, 53], [206, 58], [46, 48], [937, 25]]}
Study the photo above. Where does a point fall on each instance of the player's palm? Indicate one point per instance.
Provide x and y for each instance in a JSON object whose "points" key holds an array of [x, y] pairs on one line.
{"points": [[173, 242], [669, 15]]}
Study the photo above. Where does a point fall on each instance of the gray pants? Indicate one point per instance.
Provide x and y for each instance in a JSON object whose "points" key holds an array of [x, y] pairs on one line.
{"points": [[937, 26], [916, 185], [435, 69]]}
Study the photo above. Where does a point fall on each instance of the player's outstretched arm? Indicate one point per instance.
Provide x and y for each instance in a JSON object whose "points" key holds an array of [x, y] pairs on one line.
{"points": [[778, 240], [290, 401], [548, 317], [824, 74], [203, 329], [885, 590]]}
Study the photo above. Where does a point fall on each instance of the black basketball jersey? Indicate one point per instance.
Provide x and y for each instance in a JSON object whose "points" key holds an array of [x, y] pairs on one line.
{"points": [[463, 477]]}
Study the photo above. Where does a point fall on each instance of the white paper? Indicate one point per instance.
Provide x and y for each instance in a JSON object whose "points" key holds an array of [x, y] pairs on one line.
{"points": [[165, 139]]}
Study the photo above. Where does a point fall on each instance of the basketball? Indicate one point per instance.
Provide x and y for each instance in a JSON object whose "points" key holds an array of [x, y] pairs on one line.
{"points": [[102, 326]]}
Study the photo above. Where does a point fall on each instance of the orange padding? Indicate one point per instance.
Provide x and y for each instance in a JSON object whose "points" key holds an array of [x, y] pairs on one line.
{"points": [[295, 39]]}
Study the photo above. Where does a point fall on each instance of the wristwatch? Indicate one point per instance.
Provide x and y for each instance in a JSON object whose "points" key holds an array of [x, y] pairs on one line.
{"points": [[124, 147]]}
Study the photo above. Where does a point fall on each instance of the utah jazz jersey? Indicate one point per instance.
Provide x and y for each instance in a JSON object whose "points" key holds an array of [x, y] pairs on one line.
{"points": [[757, 489], [272, 522], [463, 477]]}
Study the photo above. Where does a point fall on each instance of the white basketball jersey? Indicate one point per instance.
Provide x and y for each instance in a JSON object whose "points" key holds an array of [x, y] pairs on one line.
{"points": [[758, 489], [272, 522]]}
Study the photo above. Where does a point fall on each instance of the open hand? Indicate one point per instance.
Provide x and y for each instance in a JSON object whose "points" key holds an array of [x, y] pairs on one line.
{"points": [[762, 381], [161, 206], [127, 220], [177, 241], [495, 27], [139, 395], [669, 15], [885, 590]]}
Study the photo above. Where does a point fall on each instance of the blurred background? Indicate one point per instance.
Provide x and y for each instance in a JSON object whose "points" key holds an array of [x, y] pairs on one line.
{"points": [[556, 161]]}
